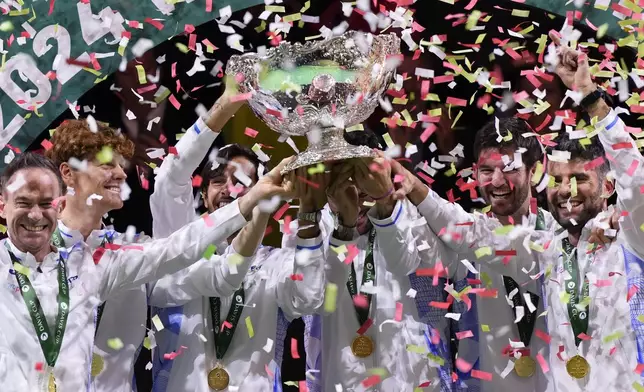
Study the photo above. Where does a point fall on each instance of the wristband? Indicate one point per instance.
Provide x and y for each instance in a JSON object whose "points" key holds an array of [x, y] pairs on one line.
{"points": [[385, 196], [591, 98]]}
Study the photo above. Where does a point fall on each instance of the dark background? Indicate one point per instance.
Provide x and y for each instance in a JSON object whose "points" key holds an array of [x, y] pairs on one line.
{"points": [[435, 16]]}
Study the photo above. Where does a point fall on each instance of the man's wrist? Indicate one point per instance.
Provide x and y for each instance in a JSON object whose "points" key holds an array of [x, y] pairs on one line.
{"points": [[385, 207]]}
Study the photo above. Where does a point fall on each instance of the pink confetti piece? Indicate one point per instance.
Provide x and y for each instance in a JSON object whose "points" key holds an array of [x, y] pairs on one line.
{"points": [[297, 277], [352, 252], [361, 301], [542, 362], [632, 168], [603, 282], [612, 351], [208, 5], [463, 365], [639, 368], [471, 5], [174, 102], [631, 292], [188, 28], [398, 178], [250, 132], [542, 335], [435, 336], [173, 70], [39, 367], [145, 89], [481, 375], [594, 163], [51, 6], [226, 325], [208, 220], [439, 305], [268, 371], [428, 132], [302, 386], [399, 312], [464, 334], [294, 353], [583, 336], [154, 23], [623, 145], [207, 42], [196, 181], [365, 327], [47, 145], [95, 63], [275, 113], [192, 41], [278, 215], [287, 224], [371, 381]]}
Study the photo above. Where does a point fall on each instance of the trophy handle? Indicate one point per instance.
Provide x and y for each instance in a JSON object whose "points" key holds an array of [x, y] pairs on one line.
{"points": [[329, 147]]}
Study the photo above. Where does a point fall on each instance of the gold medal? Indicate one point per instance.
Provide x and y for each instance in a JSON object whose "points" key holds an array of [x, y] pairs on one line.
{"points": [[218, 379], [362, 346], [98, 364], [51, 385], [578, 367], [525, 366]]}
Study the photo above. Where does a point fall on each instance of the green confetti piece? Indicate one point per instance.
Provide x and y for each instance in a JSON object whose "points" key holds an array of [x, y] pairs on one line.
{"points": [[105, 155], [340, 249], [638, 387], [613, 336], [640, 318], [485, 328], [235, 259], [484, 251], [115, 344], [210, 251], [416, 349], [472, 19], [435, 358], [147, 343], [388, 140], [249, 327], [564, 297], [357, 127], [486, 279], [182, 48], [3, 229], [6, 26], [291, 384], [330, 297]]}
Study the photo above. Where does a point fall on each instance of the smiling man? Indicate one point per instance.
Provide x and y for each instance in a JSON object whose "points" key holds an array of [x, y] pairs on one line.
{"points": [[46, 342]]}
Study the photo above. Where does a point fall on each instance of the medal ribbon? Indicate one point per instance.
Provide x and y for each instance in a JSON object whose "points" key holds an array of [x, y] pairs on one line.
{"points": [[59, 242], [368, 275], [526, 324], [223, 338], [578, 318], [50, 344]]}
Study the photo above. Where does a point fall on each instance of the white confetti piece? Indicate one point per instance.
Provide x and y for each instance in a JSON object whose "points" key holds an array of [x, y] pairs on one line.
{"points": [[148, 366], [92, 197], [130, 115], [141, 46], [453, 316], [508, 368], [469, 266], [156, 321], [268, 346], [411, 293], [520, 312], [528, 301], [196, 67]]}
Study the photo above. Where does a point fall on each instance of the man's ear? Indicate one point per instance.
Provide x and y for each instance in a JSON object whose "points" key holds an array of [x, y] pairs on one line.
{"points": [[67, 173], [3, 213], [59, 204], [608, 187], [205, 200]]}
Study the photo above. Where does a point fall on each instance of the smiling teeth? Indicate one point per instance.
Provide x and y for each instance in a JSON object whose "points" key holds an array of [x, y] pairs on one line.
{"points": [[113, 188], [34, 228]]}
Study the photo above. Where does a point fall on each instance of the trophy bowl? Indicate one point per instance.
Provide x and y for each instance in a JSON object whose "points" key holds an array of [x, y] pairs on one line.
{"points": [[318, 89]]}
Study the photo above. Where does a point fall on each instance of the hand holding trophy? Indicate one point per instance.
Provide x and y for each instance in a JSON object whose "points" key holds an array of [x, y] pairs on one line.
{"points": [[318, 89]]}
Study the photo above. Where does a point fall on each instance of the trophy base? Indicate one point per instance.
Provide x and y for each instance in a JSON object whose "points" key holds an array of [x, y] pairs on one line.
{"points": [[339, 151]]}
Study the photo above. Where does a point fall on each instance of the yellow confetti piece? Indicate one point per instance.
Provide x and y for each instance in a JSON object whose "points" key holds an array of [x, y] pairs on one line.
{"points": [[292, 383], [484, 251], [472, 19], [399, 101], [115, 344], [486, 209], [357, 127], [573, 187], [601, 30], [340, 249], [485, 328], [416, 349], [432, 97], [538, 173], [307, 5], [330, 297], [564, 297], [613, 336], [19, 12], [3, 229], [521, 13], [235, 259], [249, 327], [162, 97], [6, 26], [435, 358], [638, 387], [275, 8], [121, 50], [527, 30], [292, 18], [480, 38], [261, 27], [503, 230], [22, 269], [105, 155], [98, 80], [536, 247], [147, 343], [141, 73], [451, 171], [156, 321], [93, 71], [388, 141], [640, 318], [460, 113], [407, 117], [319, 168], [435, 112]]}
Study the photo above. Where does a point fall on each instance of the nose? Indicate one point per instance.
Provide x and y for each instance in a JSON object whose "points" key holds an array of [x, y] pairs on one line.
{"points": [[118, 173], [498, 179], [564, 188], [35, 214]]}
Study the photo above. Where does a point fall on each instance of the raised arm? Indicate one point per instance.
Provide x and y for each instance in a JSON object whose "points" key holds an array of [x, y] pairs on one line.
{"points": [[172, 201], [218, 276], [131, 266]]}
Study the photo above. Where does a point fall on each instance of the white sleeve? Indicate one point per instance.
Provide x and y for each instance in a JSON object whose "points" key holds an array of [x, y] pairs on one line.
{"points": [[205, 278], [301, 297], [133, 265], [628, 164], [171, 202]]}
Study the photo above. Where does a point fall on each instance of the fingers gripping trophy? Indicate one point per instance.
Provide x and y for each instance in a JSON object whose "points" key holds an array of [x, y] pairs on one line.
{"points": [[318, 89]]}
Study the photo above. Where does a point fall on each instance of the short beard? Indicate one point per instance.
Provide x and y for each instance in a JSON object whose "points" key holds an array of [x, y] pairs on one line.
{"points": [[591, 208], [520, 195]]}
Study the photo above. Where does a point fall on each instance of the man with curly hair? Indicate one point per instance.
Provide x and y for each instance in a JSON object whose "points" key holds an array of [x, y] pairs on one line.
{"points": [[91, 158]]}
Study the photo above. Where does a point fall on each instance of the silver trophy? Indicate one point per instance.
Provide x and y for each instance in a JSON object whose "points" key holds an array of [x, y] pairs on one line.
{"points": [[318, 89]]}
